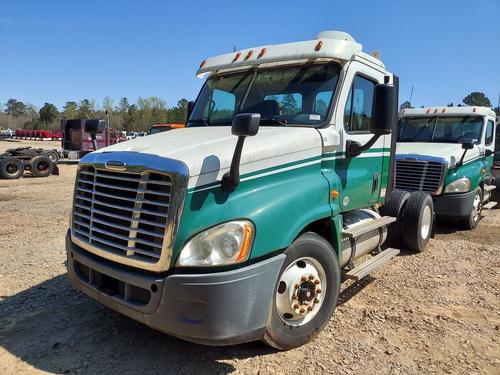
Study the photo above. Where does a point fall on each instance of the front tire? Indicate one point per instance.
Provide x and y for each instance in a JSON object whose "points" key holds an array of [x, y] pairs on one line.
{"points": [[11, 168], [306, 293], [472, 221], [418, 221]]}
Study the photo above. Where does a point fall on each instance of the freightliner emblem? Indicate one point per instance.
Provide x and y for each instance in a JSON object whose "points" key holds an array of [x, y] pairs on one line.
{"points": [[115, 164]]}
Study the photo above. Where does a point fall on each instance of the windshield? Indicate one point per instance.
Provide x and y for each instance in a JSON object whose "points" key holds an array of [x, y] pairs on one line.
{"points": [[440, 129], [297, 95]]}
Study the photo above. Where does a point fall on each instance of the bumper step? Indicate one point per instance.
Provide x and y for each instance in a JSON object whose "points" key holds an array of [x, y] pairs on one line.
{"points": [[489, 205], [369, 226], [372, 264], [489, 187]]}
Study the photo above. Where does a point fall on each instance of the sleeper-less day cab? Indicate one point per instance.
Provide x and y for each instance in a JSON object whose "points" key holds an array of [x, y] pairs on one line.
{"points": [[448, 152], [242, 225]]}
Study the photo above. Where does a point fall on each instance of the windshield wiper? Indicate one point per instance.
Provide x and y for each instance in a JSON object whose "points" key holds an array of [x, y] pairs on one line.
{"points": [[270, 120], [202, 121]]}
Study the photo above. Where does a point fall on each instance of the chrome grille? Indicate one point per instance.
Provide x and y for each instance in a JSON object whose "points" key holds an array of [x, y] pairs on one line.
{"points": [[419, 175], [121, 212]]}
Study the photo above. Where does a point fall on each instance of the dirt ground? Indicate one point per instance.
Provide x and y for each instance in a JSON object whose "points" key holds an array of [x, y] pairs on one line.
{"points": [[429, 313]]}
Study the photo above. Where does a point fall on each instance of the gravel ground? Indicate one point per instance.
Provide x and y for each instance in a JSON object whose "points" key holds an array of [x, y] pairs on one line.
{"points": [[434, 312]]}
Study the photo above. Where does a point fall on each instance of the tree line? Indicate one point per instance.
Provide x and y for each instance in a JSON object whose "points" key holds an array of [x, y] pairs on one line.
{"points": [[475, 98], [123, 115]]}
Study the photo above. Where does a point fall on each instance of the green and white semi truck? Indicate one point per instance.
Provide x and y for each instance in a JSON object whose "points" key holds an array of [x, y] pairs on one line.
{"points": [[448, 152], [243, 225]]}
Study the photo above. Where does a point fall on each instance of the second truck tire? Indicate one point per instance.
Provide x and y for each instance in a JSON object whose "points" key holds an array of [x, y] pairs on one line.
{"points": [[11, 168], [418, 221], [394, 207], [41, 166]]}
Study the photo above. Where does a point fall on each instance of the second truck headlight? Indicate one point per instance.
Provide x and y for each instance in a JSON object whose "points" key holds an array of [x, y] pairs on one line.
{"points": [[461, 185], [224, 244]]}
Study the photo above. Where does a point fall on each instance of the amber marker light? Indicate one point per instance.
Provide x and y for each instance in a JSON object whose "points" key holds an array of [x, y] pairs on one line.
{"points": [[247, 243], [444, 110], [237, 56], [249, 54], [474, 109], [203, 63], [428, 110], [334, 194], [261, 53], [318, 46]]}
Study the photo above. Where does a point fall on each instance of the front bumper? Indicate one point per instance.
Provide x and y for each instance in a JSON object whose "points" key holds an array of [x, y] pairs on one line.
{"points": [[220, 308], [454, 206]]}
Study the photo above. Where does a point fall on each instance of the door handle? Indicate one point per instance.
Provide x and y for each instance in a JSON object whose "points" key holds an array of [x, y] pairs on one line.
{"points": [[376, 177]]}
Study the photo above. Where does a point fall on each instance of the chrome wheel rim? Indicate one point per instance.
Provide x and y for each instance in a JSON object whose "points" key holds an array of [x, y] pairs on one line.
{"points": [[425, 228], [301, 290], [476, 207]]}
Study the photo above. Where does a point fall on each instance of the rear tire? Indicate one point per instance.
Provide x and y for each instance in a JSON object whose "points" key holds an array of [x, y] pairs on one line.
{"points": [[495, 194], [418, 221], [41, 166], [394, 207], [11, 168], [472, 221], [52, 155], [311, 263]]}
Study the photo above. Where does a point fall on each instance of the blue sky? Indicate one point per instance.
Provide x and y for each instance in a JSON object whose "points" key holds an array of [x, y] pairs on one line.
{"points": [[53, 51]]}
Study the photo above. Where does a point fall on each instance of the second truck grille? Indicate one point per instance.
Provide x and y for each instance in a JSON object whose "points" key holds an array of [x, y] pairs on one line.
{"points": [[122, 212], [419, 175]]}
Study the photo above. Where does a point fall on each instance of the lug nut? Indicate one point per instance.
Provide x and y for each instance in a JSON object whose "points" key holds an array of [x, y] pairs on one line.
{"points": [[316, 281], [311, 277], [296, 306], [316, 300], [302, 310], [303, 278], [309, 308], [318, 290], [294, 296], [296, 286]]}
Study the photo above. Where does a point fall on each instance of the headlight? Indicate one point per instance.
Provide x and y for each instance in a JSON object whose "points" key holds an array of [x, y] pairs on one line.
{"points": [[224, 244], [461, 185]]}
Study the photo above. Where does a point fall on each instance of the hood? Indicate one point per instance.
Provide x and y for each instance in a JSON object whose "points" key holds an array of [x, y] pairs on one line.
{"points": [[208, 151], [450, 152]]}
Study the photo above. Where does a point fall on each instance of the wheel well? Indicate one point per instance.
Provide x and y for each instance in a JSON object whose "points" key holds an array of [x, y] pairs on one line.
{"points": [[321, 227]]}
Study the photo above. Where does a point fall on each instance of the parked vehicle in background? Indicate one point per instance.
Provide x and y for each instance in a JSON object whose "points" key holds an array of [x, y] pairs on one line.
{"points": [[131, 135], [7, 133], [448, 153], [158, 128], [38, 162], [242, 226], [76, 142]]}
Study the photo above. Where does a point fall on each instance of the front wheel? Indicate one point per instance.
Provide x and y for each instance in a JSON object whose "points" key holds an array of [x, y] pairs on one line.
{"points": [[306, 293], [472, 220], [418, 221]]}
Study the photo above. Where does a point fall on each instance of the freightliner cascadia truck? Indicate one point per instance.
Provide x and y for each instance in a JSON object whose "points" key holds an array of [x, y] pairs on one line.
{"points": [[448, 152], [243, 225]]}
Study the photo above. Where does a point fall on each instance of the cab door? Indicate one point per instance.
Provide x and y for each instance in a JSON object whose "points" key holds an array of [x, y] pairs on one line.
{"points": [[363, 178]]}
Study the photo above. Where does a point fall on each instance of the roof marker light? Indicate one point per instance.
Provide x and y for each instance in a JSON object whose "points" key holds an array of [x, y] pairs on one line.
{"points": [[428, 110], [249, 54], [261, 53], [435, 111], [318, 46], [203, 63], [444, 110], [474, 109], [237, 56]]}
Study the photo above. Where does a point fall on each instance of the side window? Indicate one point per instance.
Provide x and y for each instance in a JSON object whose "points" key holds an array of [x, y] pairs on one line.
{"points": [[358, 109], [488, 139], [289, 104]]}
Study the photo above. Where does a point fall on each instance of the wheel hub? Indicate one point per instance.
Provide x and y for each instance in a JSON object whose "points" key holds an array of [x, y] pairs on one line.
{"points": [[300, 291]]}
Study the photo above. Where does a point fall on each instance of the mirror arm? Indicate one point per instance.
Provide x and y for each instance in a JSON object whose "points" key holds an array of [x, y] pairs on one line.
{"points": [[354, 148], [461, 161], [231, 179]]}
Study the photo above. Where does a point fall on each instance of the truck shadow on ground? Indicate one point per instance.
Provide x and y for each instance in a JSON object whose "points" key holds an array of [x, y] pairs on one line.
{"points": [[56, 329]]}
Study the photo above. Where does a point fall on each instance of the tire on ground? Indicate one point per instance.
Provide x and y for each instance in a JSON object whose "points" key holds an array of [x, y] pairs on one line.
{"points": [[52, 155], [394, 206], [41, 166], [472, 221], [284, 336], [495, 194], [418, 221], [11, 168]]}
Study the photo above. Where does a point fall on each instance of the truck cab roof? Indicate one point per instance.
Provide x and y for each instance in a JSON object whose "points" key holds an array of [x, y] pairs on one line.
{"points": [[328, 45], [447, 111]]}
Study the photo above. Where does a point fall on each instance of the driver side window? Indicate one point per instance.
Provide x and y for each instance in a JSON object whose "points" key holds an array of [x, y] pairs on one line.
{"points": [[358, 109]]}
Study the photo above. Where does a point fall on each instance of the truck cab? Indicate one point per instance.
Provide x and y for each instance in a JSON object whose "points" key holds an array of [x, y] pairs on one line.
{"points": [[242, 225], [448, 152]]}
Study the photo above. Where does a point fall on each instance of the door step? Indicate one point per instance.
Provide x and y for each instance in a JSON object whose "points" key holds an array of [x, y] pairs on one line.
{"points": [[369, 226], [490, 205], [489, 187], [372, 264]]}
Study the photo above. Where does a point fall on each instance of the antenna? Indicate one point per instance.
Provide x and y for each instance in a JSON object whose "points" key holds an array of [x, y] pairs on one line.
{"points": [[411, 94]]}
